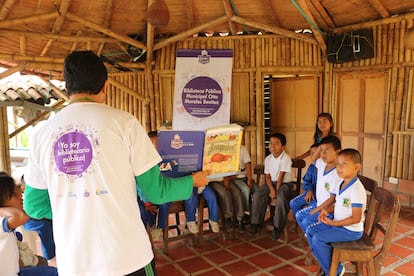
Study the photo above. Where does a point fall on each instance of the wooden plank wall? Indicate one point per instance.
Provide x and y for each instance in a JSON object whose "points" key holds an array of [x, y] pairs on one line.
{"points": [[391, 56]]}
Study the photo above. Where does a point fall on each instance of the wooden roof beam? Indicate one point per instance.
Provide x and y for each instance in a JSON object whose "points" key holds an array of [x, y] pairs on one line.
{"points": [[63, 9], [106, 31], [325, 18], [276, 30], [190, 32], [229, 12], [23, 45], [189, 13], [30, 58], [13, 70], [268, 7], [5, 8], [379, 7], [319, 37], [63, 38], [28, 19]]}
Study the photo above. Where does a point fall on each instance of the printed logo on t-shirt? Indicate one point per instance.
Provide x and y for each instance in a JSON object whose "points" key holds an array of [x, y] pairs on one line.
{"points": [[73, 153], [346, 202], [327, 186]]}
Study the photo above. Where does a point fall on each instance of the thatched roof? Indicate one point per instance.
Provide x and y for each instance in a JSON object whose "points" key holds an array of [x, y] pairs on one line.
{"points": [[38, 34]]}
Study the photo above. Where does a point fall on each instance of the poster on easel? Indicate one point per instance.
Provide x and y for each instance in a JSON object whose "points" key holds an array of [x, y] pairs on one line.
{"points": [[202, 88]]}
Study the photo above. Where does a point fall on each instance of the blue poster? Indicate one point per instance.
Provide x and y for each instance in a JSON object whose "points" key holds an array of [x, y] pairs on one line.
{"points": [[181, 152]]}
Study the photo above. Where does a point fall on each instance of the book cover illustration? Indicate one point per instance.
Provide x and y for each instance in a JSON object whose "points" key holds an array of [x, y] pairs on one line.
{"points": [[181, 152], [222, 150]]}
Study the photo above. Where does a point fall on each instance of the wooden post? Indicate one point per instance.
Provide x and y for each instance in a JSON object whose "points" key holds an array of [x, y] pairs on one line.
{"points": [[4, 141]]}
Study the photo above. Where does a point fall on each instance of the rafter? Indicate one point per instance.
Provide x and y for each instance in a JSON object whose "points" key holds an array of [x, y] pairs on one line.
{"points": [[63, 38], [23, 45], [273, 29], [5, 8], [189, 13], [28, 19], [317, 34], [13, 70], [106, 31], [325, 18], [379, 7], [230, 13], [268, 7], [190, 32]]}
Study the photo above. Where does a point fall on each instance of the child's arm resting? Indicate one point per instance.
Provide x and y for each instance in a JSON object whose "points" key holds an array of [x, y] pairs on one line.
{"points": [[159, 189], [354, 218], [13, 218], [37, 203]]}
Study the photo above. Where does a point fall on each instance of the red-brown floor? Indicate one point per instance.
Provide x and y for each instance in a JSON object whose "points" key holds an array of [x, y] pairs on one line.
{"points": [[260, 255]]}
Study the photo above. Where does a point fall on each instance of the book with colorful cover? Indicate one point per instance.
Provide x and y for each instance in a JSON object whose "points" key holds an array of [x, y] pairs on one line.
{"points": [[216, 150], [222, 150]]}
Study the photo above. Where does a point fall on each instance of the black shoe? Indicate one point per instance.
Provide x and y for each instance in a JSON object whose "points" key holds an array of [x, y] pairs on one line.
{"points": [[246, 219], [254, 229], [229, 224], [276, 234], [241, 227]]}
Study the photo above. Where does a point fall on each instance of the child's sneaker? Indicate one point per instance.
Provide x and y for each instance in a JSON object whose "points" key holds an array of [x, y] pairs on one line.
{"points": [[156, 234], [215, 227], [192, 227]]}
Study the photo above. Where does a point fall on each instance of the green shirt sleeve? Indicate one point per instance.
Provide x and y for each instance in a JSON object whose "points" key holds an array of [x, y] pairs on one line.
{"points": [[159, 189], [37, 203]]}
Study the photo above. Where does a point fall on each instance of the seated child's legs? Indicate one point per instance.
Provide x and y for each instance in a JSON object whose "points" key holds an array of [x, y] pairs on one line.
{"points": [[260, 200], [163, 210], [298, 203], [223, 197], [301, 215], [212, 205], [190, 206], [321, 239], [309, 220], [38, 270], [43, 228], [237, 200], [245, 190], [282, 205]]}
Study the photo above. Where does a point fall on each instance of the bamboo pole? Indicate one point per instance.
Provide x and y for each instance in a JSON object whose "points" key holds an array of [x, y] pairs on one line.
{"points": [[12, 70], [151, 112], [4, 24], [5, 8], [128, 90], [190, 32], [106, 31], [370, 24], [273, 29], [38, 118], [4, 139], [229, 14]]}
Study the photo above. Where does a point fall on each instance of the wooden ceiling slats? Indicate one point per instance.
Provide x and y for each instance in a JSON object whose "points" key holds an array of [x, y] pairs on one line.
{"points": [[229, 12], [268, 7], [321, 15], [5, 8]]}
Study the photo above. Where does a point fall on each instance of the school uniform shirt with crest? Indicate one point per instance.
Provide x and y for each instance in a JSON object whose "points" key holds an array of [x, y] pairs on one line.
{"points": [[273, 166], [327, 181], [351, 196], [9, 252]]}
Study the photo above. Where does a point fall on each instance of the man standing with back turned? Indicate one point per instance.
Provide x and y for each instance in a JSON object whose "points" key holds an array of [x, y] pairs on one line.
{"points": [[89, 160]]}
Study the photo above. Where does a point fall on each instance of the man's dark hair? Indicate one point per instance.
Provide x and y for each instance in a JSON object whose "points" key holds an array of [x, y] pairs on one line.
{"points": [[153, 133], [353, 154], [332, 140], [280, 136], [84, 72], [7, 186]]}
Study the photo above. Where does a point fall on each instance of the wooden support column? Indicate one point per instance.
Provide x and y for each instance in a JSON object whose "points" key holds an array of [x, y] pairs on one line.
{"points": [[150, 112], [4, 142]]}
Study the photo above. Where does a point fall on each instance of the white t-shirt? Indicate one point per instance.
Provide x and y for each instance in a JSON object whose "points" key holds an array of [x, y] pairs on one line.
{"points": [[244, 158], [87, 157], [354, 195], [9, 252], [273, 166], [326, 183]]}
